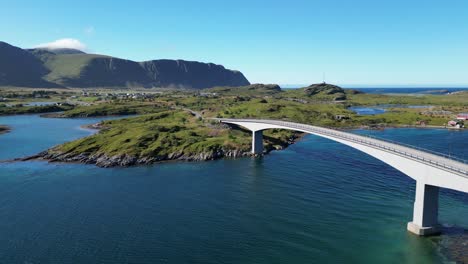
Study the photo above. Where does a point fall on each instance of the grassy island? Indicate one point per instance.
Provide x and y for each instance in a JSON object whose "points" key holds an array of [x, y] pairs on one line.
{"points": [[166, 135]]}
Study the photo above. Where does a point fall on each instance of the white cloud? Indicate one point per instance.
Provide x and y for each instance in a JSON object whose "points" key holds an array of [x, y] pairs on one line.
{"points": [[89, 30], [66, 43]]}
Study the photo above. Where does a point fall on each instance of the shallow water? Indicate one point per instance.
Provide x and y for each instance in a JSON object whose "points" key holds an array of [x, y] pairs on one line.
{"points": [[380, 109], [315, 202], [367, 110]]}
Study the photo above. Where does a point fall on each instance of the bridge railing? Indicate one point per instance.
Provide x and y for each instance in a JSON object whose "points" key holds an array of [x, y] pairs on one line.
{"points": [[400, 148], [445, 155]]}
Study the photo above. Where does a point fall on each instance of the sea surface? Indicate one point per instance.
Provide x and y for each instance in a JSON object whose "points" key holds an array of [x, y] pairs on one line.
{"points": [[380, 109], [392, 90], [315, 202], [414, 90]]}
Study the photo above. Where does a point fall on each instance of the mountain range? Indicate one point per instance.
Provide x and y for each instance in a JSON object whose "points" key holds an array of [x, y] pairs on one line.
{"points": [[45, 68]]}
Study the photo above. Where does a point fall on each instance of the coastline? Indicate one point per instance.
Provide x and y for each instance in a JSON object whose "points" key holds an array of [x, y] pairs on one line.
{"points": [[105, 161]]}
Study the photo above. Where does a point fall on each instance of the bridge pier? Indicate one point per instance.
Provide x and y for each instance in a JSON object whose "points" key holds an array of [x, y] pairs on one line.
{"points": [[426, 210], [257, 142]]}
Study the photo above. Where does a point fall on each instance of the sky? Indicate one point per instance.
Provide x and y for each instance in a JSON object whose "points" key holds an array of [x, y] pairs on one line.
{"points": [[352, 42]]}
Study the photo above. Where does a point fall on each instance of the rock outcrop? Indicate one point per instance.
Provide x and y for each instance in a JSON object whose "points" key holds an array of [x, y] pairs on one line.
{"points": [[325, 90], [124, 160], [191, 74]]}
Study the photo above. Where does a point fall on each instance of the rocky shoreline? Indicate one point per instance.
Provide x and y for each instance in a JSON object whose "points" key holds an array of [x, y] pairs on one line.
{"points": [[4, 129], [125, 160]]}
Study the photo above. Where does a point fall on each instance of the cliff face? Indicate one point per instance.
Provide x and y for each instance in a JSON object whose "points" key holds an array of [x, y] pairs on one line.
{"points": [[73, 68], [191, 74], [110, 72]]}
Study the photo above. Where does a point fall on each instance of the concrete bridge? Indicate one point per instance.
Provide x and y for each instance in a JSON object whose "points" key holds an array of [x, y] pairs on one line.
{"points": [[430, 170]]}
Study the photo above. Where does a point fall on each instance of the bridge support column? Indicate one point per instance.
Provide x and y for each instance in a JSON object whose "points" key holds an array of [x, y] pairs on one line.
{"points": [[426, 210], [257, 142]]}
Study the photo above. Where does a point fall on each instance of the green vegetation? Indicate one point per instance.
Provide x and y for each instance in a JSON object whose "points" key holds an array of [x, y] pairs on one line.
{"points": [[21, 109], [67, 66], [254, 90], [116, 108], [317, 92], [157, 134]]}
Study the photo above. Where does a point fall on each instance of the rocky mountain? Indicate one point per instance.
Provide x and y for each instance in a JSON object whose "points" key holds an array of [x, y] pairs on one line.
{"points": [[76, 69], [324, 90], [191, 74]]}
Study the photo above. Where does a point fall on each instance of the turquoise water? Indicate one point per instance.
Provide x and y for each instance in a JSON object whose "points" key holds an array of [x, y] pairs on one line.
{"points": [[315, 202], [367, 110], [414, 90], [40, 103], [380, 109]]}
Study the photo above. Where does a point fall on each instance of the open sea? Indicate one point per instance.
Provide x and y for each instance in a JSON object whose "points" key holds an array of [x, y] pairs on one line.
{"points": [[414, 90], [315, 202], [393, 90]]}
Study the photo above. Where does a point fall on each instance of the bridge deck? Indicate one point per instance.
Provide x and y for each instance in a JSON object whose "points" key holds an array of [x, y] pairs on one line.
{"points": [[438, 160]]}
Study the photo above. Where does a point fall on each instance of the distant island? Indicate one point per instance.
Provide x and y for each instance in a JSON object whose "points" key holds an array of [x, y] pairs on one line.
{"points": [[70, 68]]}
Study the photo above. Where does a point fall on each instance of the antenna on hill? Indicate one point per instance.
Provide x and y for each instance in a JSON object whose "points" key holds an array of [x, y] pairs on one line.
{"points": [[323, 77]]}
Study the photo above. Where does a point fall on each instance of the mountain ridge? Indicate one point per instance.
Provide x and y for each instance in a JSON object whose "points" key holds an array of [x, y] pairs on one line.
{"points": [[75, 69]]}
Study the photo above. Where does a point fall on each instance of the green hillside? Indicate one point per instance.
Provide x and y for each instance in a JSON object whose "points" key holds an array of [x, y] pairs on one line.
{"points": [[319, 91], [68, 66], [21, 68]]}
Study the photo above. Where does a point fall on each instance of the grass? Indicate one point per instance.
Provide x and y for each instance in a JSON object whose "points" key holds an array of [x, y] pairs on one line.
{"points": [[115, 108], [32, 109], [68, 65]]}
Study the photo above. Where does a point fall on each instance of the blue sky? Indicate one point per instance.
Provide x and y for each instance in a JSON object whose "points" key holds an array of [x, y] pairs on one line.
{"points": [[355, 42]]}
